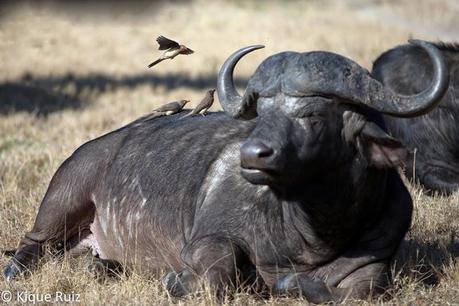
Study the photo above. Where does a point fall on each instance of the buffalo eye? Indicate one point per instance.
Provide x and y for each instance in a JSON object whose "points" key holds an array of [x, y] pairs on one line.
{"points": [[314, 118], [312, 121]]}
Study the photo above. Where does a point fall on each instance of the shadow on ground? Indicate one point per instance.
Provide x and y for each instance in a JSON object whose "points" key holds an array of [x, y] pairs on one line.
{"points": [[43, 95], [95, 9], [15, 97], [426, 261]]}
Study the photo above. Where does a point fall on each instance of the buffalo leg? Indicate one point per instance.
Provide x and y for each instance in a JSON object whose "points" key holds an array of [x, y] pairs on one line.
{"points": [[210, 259], [439, 179], [63, 215], [360, 284], [363, 270]]}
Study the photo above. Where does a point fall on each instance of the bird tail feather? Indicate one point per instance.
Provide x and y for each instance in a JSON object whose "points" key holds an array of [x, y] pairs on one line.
{"points": [[153, 115], [188, 115], [155, 62]]}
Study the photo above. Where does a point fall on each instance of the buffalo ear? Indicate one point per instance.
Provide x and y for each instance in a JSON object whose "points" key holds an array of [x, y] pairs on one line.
{"points": [[372, 142], [379, 148]]}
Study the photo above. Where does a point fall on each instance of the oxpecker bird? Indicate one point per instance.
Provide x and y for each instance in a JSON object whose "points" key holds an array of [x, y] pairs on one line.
{"points": [[204, 105], [172, 49], [167, 109]]}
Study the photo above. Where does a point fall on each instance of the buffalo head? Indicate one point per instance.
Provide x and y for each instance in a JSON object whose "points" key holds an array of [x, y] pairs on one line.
{"points": [[318, 111]]}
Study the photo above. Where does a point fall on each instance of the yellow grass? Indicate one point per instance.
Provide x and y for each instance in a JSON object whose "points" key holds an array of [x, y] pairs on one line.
{"points": [[85, 67]]}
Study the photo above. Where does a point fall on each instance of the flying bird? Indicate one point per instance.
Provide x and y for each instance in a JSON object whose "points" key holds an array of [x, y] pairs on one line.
{"points": [[167, 109], [172, 49], [204, 105]]}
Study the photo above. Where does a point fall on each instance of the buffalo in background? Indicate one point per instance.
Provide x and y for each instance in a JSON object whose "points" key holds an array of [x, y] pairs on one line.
{"points": [[433, 137], [301, 193]]}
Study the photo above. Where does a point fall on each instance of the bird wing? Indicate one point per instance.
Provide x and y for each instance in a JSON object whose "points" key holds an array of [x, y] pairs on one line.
{"points": [[171, 106], [205, 103], [187, 51], [166, 43]]}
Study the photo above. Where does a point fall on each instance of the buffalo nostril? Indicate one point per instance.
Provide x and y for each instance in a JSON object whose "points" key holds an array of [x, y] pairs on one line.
{"points": [[264, 151], [256, 149]]}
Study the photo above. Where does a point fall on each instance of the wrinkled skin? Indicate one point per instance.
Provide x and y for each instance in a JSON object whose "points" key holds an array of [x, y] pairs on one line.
{"points": [[304, 200], [435, 136]]}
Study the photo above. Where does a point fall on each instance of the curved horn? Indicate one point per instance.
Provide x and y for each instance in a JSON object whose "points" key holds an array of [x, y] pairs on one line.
{"points": [[231, 101], [390, 103]]}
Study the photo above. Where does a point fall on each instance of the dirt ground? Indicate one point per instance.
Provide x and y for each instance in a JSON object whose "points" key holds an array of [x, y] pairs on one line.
{"points": [[70, 73]]}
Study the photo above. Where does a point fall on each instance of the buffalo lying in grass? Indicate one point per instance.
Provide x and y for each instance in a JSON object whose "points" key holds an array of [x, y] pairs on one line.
{"points": [[302, 188]]}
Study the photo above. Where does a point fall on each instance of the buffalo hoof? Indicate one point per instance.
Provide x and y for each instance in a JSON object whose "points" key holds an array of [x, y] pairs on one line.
{"points": [[300, 285], [97, 270], [172, 281], [9, 253], [101, 269], [11, 271], [286, 286]]}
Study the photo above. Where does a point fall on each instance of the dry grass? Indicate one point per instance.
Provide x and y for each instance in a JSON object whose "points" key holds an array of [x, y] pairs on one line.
{"points": [[69, 76]]}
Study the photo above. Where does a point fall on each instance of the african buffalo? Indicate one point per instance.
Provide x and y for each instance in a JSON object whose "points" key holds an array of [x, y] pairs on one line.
{"points": [[434, 137], [307, 195]]}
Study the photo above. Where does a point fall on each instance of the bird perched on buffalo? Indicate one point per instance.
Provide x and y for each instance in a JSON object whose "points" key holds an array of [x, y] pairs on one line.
{"points": [[172, 49], [204, 105], [167, 109]]}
